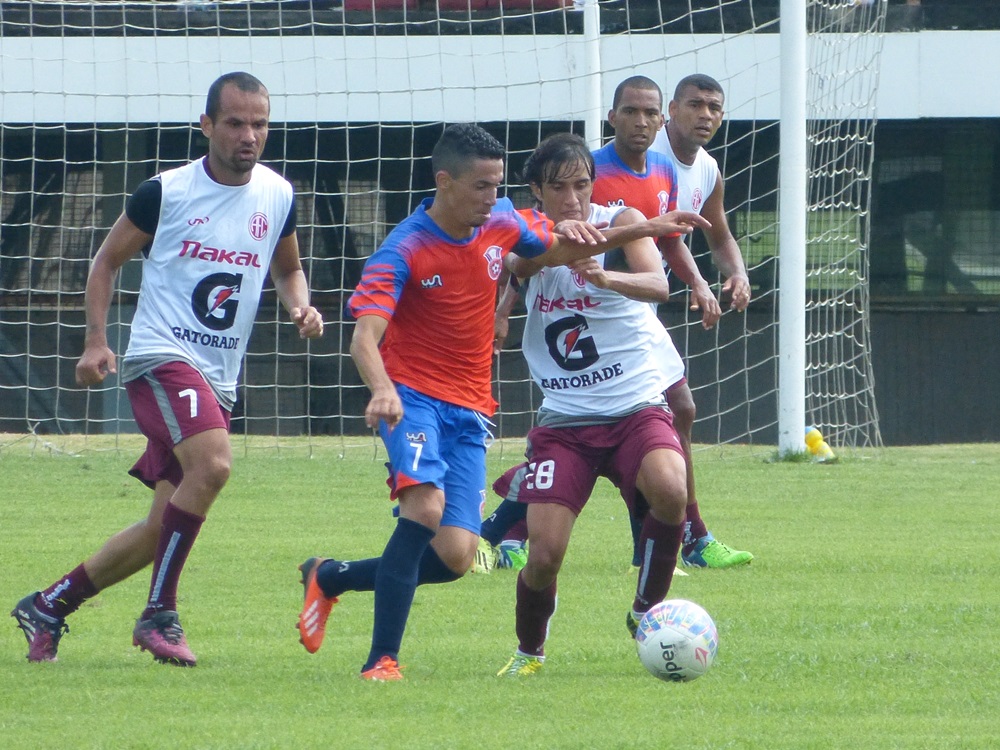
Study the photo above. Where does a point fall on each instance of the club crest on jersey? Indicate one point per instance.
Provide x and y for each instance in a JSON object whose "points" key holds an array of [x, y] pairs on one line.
{"points": [[579, 280], [696, 199], [494, 256], [258, 226], [664, 198]]}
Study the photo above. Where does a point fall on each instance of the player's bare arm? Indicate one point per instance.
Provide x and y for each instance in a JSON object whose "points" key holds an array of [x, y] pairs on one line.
{"points": [[726, 253], [564, 250], [644, 280], [292, 288], [681, 262], [124, 241], [384, 404]]}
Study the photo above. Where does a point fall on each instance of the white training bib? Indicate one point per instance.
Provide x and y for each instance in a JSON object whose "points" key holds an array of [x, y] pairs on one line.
{"points": [[206, 267]]}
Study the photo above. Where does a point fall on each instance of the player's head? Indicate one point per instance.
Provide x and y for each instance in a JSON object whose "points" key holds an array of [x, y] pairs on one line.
{"points": [[696, 110], [468, 170], [243, 81], [235, 122], [636, 114], [560, 173]]}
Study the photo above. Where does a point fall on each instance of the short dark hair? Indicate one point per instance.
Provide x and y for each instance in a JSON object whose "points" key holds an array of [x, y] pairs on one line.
{"points": [[701, 82], [642, 83], [243, 81], [460, 144], [555, 156]]}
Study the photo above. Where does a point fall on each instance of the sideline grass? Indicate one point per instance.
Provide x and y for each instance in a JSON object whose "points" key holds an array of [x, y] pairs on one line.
{"points": [[867, 619]]}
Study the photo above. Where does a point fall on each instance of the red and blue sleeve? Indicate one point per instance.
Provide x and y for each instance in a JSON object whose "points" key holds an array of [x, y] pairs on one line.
{"points": [[382, 281], [536, 233]]}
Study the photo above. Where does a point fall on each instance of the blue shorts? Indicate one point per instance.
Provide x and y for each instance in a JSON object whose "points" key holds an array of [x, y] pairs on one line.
{"points": [[441, 444]]}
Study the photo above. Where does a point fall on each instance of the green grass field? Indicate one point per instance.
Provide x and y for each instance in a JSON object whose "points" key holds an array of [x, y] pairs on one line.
{"points": [[867, 620]]}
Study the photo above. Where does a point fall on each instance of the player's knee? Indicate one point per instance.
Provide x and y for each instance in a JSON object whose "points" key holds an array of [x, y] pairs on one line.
{"points": [[454, 562], [668, 500], [211, 472], [545, 563]]}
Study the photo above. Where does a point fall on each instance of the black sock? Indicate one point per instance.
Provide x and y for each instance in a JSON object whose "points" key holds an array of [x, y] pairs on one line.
{"points": [[502, 520]]}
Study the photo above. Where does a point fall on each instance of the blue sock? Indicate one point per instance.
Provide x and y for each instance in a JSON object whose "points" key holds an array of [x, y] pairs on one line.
{"points": [[395, 583], [502, 520], [433, 569], [337, 576]]}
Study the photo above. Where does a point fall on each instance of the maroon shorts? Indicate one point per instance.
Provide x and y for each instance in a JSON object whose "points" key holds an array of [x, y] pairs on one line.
{"points": [[170, 402], [565, 462]]}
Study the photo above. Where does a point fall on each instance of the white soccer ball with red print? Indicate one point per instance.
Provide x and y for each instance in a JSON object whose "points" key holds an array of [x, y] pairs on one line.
{"points": [[677, 640]]}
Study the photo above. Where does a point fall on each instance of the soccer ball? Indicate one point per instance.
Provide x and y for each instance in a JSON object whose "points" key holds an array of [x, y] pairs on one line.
{"points": [[676, 641]]}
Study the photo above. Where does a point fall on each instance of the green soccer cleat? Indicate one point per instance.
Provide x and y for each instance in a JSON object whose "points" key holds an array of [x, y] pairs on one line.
{"points": [[709, 552], [512, 554], [485, 559], [632, 622], [521, 665]]}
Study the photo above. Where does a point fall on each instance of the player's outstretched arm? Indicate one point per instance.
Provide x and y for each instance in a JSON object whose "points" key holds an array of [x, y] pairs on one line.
{"points": [[565, 250], [124, 241], [384, 404], [293, 291]]}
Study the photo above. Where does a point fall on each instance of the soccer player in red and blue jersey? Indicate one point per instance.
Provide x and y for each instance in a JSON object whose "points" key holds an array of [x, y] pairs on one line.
{"points": [[423, 345]]}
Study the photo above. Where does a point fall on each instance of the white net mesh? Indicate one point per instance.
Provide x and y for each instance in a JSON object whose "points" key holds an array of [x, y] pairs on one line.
{"points": [[100, 96]]}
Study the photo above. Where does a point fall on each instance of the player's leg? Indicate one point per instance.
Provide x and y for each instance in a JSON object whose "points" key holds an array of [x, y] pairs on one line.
{"points": [[504, 532], [558, 482], [41, 615], [188, 432], [649, 461], [700, 549], [420, 510], [453, 514], [132, 548], [550, 526], [417, 479], [509, 512]]}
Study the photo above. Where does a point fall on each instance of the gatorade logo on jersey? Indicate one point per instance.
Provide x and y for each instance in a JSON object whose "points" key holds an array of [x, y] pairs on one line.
{"points": [[568, 346], [494, 257], [215, 300]]}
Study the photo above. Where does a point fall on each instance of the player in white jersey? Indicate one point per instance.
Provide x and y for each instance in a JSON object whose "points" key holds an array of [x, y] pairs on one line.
{"points": [[210, 231], [594, 353], [696, 114]]}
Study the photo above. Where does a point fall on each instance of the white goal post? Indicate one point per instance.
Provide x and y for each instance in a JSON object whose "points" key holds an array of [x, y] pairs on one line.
{"points": [[97, 96]]}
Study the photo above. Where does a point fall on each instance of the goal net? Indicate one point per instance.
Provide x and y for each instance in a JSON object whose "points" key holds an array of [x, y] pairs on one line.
{"points": [[98, 96]]}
